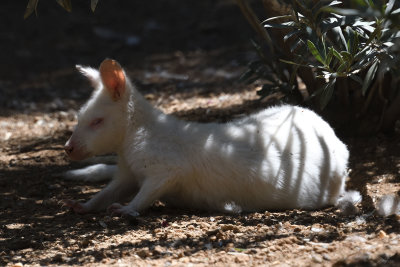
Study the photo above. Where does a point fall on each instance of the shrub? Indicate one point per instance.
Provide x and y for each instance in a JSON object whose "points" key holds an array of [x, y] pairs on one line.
{"points": [[66, 4], [347, 55]]}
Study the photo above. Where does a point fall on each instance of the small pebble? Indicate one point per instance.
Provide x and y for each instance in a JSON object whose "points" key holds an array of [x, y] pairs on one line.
{"points": [[143, 253], [382, 234]]}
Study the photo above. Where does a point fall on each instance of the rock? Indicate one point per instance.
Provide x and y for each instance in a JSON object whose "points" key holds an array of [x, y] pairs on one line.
{"points": [[229, 227], [158, 250], [59, 258], [220, 235], [252, 251], [326, 257], [317, 229], [204, 225], [356, 238], [316, 258], [229, 247], [208, 246], [103, 224], [184, 259], [180, 255], [239, 257], [85, 242], [382, 234], [143, 253], [364, 257]]}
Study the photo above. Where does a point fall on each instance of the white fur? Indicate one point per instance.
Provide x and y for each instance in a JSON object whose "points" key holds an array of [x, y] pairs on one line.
{"points": [[388, 205], [280, 158], [346, 203], [93, 173]]}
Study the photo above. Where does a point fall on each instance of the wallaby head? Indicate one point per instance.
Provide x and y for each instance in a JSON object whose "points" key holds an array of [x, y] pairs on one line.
{"points": [[102, 120]]}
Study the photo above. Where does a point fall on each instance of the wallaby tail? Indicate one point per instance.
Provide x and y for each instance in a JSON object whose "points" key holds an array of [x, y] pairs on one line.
{"points": [[347, 203], [93, 173]]}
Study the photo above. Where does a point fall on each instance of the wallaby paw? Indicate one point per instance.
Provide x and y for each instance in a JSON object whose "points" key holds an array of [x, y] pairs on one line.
{"points": [[120, 210], [76, 206]]}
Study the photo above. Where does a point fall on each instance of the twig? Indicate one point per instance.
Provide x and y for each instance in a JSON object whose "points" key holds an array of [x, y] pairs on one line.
{"points": [[369, 99], [392, 113], [255, 22], [385, 101]]}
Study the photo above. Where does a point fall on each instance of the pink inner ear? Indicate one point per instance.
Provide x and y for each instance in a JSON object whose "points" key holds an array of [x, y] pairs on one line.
{"points": [[113, 78], [113, 85]]}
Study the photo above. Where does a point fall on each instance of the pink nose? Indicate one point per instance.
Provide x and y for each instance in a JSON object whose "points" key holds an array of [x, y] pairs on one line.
{"points": [[68, 147]]}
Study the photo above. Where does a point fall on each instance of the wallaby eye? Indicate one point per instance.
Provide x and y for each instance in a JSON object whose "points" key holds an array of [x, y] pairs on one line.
{"points": [[96, 122]]}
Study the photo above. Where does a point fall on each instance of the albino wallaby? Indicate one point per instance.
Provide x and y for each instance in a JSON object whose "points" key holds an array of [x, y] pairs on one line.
{"points": [[280, 158]]}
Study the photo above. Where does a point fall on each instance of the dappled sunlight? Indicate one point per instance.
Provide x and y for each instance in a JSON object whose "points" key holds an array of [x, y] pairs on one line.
{"points": [[30, 200], [186, 58]]}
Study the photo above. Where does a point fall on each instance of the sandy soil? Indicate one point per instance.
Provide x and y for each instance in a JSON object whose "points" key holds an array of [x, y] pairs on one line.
{"points": [[186, 59]]}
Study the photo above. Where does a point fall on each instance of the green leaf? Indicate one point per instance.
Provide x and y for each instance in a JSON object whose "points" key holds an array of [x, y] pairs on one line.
{"points": [[329, 56], [315, 52], [298, 64], [284, 25], [337, 55], [93, 4], [30, 8], [295, 45], [375, 34], [277, 17], [354, 41], [395, 12], [361, 54], [344, 11], [365, 61], [327, 93], [346, 56], [369, 77], [66, 4], [321, 6], [291, 34], [342, 67], [339, 31], [389, 7]]}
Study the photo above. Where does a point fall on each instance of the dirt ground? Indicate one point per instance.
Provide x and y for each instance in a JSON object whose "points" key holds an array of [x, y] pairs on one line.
{"points": [[185, 57]]}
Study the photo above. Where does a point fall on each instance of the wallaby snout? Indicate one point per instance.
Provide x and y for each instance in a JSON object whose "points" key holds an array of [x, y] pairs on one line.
{"points": [[74, 151], [68, 147]]}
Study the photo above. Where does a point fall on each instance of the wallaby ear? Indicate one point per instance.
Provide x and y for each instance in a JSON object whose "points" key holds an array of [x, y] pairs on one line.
{"points": [[113, 78], [93, 75]]}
